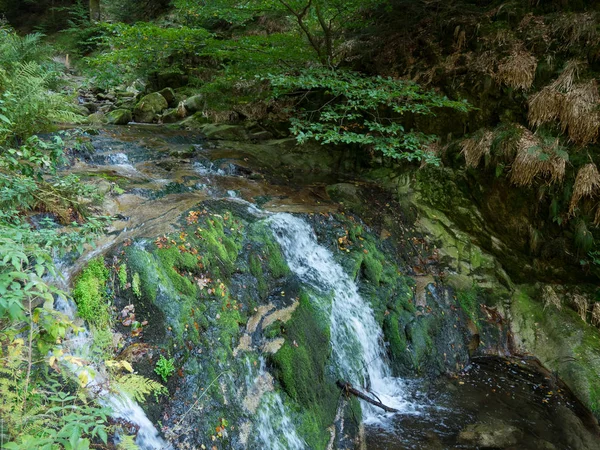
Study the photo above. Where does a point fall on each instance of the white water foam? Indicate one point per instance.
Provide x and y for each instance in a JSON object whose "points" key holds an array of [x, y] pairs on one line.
{"points": [[272, 422], [121, 405], [356, 338]]}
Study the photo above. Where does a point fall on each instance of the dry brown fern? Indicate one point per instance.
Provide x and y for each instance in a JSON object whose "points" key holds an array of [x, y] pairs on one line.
{"points": [[596, 314], [473, 149], [551, 298], [579, 115], [582, 306], [545, 106], [518, 69], [535, 160], [587, 184]]}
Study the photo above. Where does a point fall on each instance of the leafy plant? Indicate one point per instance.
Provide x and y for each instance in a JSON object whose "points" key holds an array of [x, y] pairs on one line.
{"points": [[89, 293], [165, 367], [367, 111]]}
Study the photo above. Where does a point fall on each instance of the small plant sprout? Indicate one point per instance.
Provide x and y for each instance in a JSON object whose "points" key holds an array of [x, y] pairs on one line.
{"points": [[165, 367]]}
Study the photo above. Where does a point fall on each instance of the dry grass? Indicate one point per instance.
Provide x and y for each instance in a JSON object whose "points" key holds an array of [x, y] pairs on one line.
{"points": [[596, 314], [536, 160], [551, 298], [587, 183], [473, 149], [545, 106], [571, 29], [566, 79], [518, 69], [582, 306], [574, 105], [579, 116]]}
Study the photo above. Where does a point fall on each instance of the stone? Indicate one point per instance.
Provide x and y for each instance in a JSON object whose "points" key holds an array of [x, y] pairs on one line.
{"points": [[169, 95], [490, 435], [171, 116], [225, 132], [194, 104], [119, 117], [148, 108]]}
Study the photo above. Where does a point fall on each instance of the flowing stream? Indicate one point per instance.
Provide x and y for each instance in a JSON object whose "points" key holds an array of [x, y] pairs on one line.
{"points": [[121, 405], [356, 338], [158, 186]]}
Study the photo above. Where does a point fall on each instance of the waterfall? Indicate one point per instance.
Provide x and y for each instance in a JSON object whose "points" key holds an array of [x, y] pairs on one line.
{"points": [[273, 425], [121, 405], [356, 338]]}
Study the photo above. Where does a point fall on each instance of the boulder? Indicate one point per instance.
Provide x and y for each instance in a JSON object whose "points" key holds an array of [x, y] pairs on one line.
{"points": [[194, 104], [119, 117], [169, 95], [149, 107], [225, 132], [490, 435], [173, 115]]}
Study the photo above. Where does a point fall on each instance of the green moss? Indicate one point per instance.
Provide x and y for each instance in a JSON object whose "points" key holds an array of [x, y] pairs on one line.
{"points": [[89, 293], [174, 262], [277, 263], [257, 271], [562, 342], [467, 300], [301, 367], [122, 274]]}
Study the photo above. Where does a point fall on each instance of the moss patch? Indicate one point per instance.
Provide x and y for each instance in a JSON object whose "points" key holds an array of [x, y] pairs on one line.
{"points": [[89, 292], [301, 365]]}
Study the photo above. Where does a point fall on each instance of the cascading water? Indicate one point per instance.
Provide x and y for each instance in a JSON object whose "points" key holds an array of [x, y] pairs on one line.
{"points": [[356, 338], [121, 405], [273, 425]]}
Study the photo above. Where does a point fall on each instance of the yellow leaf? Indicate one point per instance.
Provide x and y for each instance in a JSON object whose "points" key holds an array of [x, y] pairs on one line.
{"points": [[83, 379], [52, 360], [127, 366]]}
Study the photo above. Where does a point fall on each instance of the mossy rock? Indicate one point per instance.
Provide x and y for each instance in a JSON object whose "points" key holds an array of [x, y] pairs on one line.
{"points": [[148, 108], [302, 367], [194, 104], [225, 132], [119, 117], [169, 95], [562, 341]]}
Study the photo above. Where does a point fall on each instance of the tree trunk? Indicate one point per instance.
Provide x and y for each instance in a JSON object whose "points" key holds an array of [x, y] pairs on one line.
{"points": [[94, 10]]}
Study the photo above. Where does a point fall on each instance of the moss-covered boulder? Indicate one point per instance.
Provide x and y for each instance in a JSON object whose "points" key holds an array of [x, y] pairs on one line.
{"points": [[225, 132], [194, 104], [119, 117], [561, 340], [148, 108], [169, 95]]}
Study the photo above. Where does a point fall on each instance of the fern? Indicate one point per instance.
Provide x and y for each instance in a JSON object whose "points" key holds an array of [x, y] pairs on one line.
{"points": [[139, 387], [127, 443]]}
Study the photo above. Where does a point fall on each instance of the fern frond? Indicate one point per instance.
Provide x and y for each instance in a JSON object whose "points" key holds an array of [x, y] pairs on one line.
{"points": [[127, 443], [139, 387]]}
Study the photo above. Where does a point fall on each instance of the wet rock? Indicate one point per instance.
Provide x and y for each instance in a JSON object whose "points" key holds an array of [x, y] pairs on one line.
{"points": [[96, 119], [225, 132], [171, 116], [490, 435], [194, 104], [169, 95], [119, 117], [261, 135], [149, 107]]}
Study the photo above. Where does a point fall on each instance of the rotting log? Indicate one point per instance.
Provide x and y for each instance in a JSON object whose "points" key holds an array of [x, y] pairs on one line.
{"points": [[349, 389]]}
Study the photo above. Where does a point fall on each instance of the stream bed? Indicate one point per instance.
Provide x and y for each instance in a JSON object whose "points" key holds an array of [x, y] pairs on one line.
{"points": [[280, 308]]}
